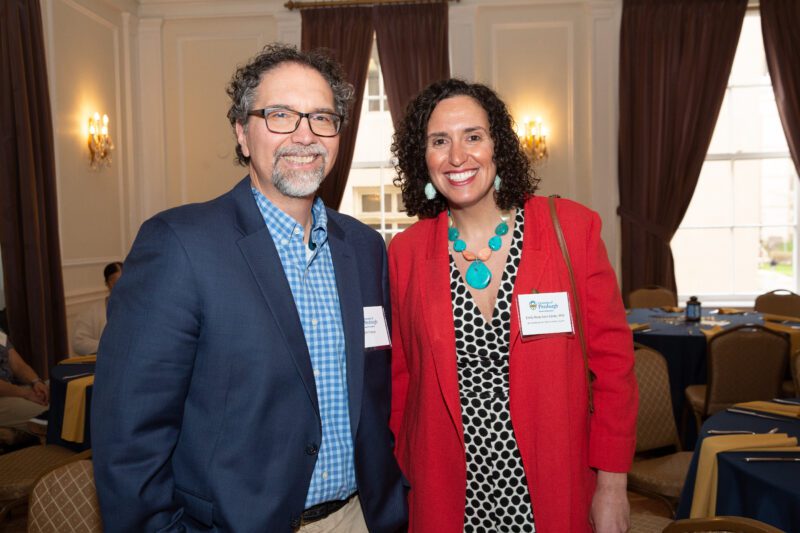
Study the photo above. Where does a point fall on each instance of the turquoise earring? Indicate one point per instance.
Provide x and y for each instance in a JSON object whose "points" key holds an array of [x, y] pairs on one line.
{"points": [[430, 191], [497, 182]]}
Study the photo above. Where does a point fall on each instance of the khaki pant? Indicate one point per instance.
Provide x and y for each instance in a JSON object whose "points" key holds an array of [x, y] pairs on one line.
{"points": [[15, 412], [348, 519]]}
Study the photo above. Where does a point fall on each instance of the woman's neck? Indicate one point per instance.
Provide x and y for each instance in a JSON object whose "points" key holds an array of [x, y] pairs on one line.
{"points": [[476, 220]]}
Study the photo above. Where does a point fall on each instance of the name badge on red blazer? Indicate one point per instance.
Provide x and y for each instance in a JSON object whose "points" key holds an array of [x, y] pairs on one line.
{"points": [[376, 333], [544, 313]]}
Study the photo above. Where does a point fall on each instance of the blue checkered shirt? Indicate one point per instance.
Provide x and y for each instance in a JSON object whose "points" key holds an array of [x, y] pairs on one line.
{"points": [[313, 282]]}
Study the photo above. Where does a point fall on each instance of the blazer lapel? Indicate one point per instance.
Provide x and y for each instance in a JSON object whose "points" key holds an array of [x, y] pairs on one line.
{"points": [[438, 319], [350, 302], [533, 263], [260, 253]]}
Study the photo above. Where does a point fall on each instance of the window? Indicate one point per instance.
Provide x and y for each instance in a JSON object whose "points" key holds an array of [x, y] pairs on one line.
{"points": [[370, 195], [738, 238], [374, 95]]}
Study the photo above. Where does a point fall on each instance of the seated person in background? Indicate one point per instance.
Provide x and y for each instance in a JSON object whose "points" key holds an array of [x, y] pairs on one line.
{"points": [[19, 403], [90, 324]]}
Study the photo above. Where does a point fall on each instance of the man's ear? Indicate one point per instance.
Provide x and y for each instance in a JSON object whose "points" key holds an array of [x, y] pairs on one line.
{"points": [[242, 139]]}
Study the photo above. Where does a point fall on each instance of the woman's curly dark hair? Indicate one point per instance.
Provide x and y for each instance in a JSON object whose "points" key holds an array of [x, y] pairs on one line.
{"points": [[410, 143]]}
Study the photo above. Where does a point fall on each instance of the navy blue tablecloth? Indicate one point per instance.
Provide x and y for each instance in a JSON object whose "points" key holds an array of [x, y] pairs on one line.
{"points": [[60, 375], [769, 492], [683, 345]]}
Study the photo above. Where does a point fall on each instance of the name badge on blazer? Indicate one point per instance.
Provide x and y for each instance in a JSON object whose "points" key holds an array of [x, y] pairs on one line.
{"points": [[544, 313], [376, 332]]}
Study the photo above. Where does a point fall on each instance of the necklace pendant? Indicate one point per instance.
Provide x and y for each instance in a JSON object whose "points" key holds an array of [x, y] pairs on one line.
{"points": [[478, 275]]}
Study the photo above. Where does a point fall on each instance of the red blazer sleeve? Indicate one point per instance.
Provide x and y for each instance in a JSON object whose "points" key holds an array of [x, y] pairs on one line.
{"points": [[612, 439], [399, 366]]}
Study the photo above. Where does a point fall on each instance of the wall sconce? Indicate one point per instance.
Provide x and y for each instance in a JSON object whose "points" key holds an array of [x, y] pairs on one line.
{"points": [[533, 137], [100, 144]]}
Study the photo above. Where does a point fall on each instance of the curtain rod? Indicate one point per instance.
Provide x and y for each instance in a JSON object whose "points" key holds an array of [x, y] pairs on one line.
{"points": [[290, 5]]}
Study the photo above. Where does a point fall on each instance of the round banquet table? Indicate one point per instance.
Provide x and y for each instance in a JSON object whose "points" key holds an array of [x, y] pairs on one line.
{"points": [[766, 491]]}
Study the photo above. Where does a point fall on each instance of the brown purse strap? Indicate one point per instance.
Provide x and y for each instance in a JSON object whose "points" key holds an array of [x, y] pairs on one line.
{"points": [[578, 315]]}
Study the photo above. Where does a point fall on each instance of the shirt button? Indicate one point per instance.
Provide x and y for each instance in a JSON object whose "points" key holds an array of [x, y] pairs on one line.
{"points": [[284, 241], [312, 449], [316, 373], [314, 322], [296, 231], [325, 475]]}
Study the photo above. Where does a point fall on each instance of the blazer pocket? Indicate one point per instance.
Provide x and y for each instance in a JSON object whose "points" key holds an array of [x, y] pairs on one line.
{"points": [[198, 508]]}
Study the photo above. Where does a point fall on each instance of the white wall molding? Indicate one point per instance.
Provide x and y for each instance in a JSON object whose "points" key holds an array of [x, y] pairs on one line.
{"points": [[89, 261], [129, 196], [462, 41], [605, 18], [151, 122], [568, 28], [194, 9], [83, 297], [117, 169], [181, 43], [289, 27]]}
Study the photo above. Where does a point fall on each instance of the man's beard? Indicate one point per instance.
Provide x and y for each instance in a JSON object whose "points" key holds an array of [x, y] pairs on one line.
{"points": [[299, 183]]}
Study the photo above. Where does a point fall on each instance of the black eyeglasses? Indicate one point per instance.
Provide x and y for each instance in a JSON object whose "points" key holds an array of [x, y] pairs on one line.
{"points": [[283, 120]]}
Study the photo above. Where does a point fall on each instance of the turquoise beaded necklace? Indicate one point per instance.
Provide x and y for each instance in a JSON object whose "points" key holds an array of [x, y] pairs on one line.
{"points": [[478, 274]]}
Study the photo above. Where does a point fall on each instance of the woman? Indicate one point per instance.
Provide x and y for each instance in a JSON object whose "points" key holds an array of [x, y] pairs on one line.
{"points": [[493, 427], [90, 324]]}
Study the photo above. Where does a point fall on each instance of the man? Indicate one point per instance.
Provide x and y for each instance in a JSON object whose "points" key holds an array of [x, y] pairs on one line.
{"points": [[23, 400], [236, 389]]}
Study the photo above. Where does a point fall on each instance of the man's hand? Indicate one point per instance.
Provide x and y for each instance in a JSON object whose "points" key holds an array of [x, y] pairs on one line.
{"points": [[42, 391], [29, 393], [610, 509]]}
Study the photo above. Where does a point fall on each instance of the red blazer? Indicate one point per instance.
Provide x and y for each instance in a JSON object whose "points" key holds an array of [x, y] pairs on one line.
{"points": [[560, 443]]}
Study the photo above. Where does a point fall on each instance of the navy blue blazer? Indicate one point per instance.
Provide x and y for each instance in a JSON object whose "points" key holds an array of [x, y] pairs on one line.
{"points": [[205, 414]]}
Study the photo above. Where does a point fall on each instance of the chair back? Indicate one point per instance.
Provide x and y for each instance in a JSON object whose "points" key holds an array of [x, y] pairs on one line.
{"points": [[779, 302], [652, 296], [655, 423], [794, 365], [745, 363], [65, 501], [738, 524]]}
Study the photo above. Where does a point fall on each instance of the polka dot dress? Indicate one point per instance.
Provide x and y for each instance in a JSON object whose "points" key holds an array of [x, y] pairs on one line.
{"points": [[497, 490]]}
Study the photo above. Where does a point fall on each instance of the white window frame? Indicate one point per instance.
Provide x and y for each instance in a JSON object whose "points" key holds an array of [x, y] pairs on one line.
{"points": [[733, 158]]}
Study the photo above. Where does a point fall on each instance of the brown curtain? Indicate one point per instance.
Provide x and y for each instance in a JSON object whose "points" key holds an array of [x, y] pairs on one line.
{"points": [[347, 33], [29, 227], [675, 60], [408, 69], [780, 24]]}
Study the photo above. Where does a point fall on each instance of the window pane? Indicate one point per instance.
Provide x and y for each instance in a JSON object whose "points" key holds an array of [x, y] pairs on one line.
{"points": [[777, 259], [755, 124], [745, 260], [778, 185], [721, 139], [702, 261], [401, 207], [371, 203], [374, 105], [373, 87], [764, 192], [747, 201], [711, 203], [750, 63]]}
